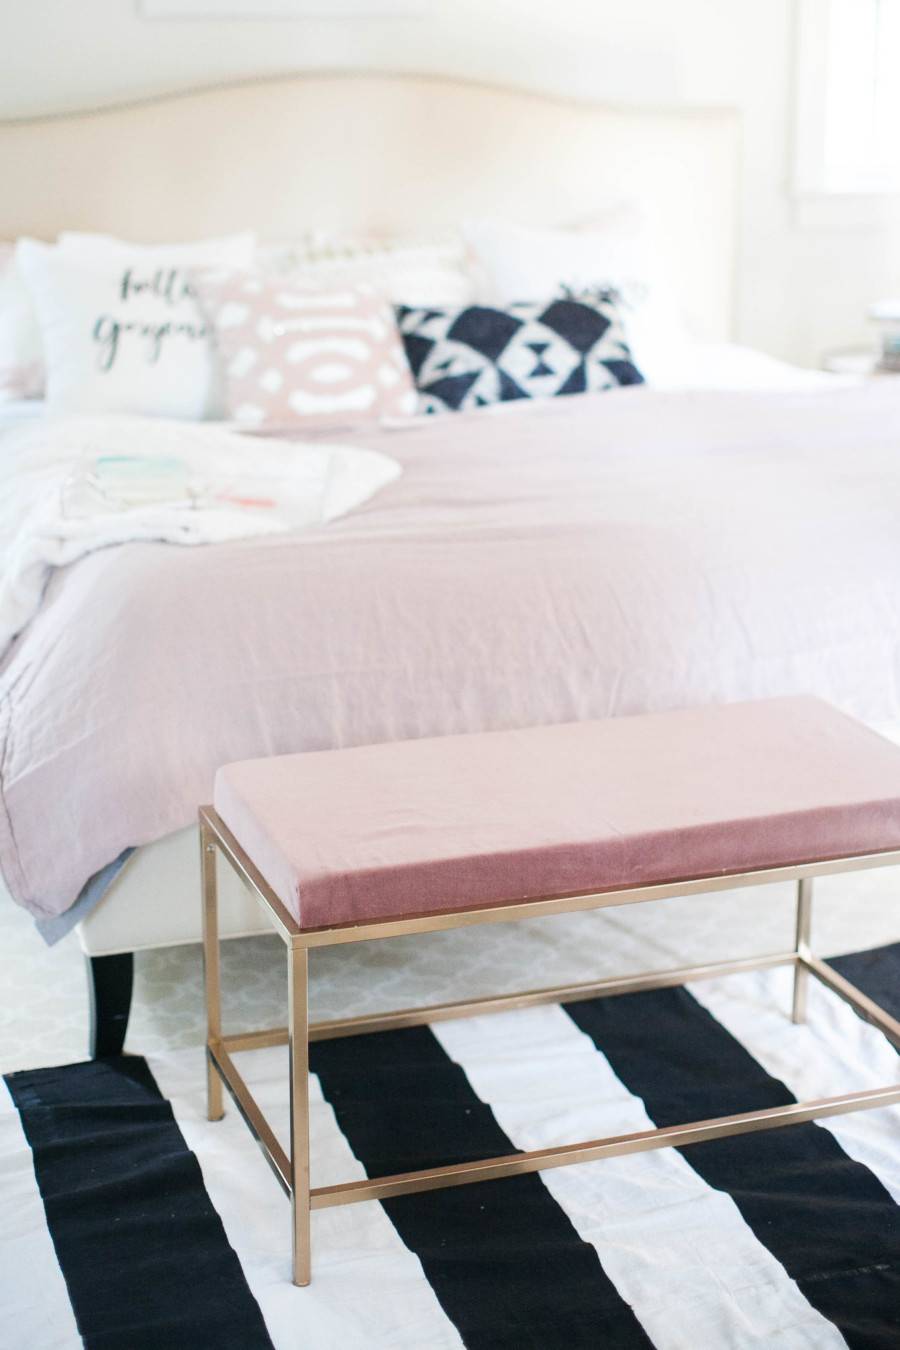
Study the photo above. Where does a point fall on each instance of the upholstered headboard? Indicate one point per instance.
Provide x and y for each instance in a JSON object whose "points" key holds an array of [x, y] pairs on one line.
{"points": [[384, 154]]}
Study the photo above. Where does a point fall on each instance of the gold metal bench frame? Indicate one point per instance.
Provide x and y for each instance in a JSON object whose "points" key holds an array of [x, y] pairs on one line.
{"points": [[292, 1167]]}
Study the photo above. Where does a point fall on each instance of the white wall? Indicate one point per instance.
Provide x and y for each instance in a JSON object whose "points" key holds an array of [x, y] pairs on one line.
{"points": [[801, 290]]}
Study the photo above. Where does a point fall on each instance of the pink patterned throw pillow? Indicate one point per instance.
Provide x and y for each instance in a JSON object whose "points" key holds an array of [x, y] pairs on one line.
{"points": [[296, 354]]}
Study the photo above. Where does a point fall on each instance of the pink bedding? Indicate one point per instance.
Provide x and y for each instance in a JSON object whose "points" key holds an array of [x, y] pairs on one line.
{"points": [[603, 555]]}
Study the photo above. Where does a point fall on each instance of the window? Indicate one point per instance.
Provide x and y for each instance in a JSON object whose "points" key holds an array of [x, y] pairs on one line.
{"points": [[848, 97]]}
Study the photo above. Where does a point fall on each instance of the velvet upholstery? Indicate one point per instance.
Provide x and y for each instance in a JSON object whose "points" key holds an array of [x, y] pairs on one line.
{"points": [[463, 821]]}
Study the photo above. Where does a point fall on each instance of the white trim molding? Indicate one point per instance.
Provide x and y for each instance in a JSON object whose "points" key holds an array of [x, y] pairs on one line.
{"points": [[841, 177]]}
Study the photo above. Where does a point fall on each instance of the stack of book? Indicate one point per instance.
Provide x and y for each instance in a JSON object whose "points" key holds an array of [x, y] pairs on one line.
{"points": [[886, 314]]}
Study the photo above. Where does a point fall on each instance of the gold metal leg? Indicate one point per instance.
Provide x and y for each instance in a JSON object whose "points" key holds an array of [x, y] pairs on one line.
{"points": [[298, 1027], [212, 979], [801, 944], [293, 1171]]}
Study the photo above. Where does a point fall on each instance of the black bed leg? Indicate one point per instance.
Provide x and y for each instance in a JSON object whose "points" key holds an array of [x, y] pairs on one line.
{"points": [[110, 979]]}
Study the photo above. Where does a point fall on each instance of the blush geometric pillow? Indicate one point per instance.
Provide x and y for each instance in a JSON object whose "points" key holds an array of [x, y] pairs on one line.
{"points": [[295, 354], [470, 358]]}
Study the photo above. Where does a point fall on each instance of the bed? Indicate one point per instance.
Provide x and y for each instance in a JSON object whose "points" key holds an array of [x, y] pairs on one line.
{"points": [[732, 536]]}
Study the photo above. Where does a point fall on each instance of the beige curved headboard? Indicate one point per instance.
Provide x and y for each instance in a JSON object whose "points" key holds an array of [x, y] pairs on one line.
{"points": [[383, 154]]}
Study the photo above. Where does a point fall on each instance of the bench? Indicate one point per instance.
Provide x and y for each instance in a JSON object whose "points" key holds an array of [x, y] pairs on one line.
{"points": [[409, 837]]}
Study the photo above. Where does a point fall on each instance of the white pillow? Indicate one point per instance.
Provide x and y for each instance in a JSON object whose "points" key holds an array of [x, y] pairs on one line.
{"points": [[121, 329], [231, 250], [21, 350], [406, 272], [518, 262]]}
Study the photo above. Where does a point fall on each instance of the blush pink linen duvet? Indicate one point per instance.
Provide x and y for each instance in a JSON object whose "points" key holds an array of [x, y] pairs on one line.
{"points": [[599, 556]]}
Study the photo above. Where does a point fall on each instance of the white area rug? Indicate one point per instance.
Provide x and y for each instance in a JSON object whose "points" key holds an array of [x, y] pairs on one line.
{"points": [[131, 1221]]}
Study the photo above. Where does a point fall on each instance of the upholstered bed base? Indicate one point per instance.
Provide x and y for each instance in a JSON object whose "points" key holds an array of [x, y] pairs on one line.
{"points": [[151, 903]]}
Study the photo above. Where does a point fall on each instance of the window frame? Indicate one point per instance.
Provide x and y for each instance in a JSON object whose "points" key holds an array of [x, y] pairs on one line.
{"points": [[874, 199]]}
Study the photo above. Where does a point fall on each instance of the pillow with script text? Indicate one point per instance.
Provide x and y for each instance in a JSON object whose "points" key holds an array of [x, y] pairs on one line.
{"points": [[121, 329]]}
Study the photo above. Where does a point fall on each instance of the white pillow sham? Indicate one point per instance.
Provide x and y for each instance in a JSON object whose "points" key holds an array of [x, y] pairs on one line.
{"points": [[120, 327], [513, 262], [405, 271], [230, 250], [21, 350]]}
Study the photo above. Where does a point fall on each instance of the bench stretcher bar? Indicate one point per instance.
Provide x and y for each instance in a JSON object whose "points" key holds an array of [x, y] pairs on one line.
{"points": [[292, 1168]]}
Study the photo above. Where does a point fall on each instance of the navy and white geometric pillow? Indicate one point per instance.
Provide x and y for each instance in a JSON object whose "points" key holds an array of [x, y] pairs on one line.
{"points": [[472, 357]]}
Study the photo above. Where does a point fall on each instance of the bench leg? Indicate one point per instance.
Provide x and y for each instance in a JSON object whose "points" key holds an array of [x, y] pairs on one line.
{"points": [[298, 1027], [801, 946], [212, 977]]}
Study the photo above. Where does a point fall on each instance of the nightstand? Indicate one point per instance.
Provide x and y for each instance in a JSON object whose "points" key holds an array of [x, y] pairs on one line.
{"points": [[861, 361]]}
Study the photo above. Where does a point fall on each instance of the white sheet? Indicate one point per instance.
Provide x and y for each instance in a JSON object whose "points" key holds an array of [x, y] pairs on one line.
{"points": [[17, 410], [695, 365], [726, 365]]}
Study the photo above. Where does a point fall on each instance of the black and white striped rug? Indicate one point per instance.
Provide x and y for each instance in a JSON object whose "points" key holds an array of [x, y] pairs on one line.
{"points": [[128, 1221]]}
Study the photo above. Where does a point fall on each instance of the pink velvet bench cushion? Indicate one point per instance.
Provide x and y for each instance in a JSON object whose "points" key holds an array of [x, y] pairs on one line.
{"points": [[464, 821]]}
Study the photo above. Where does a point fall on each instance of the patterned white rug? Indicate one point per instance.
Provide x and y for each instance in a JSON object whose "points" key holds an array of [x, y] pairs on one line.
{"points": [[130, 1221]]}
